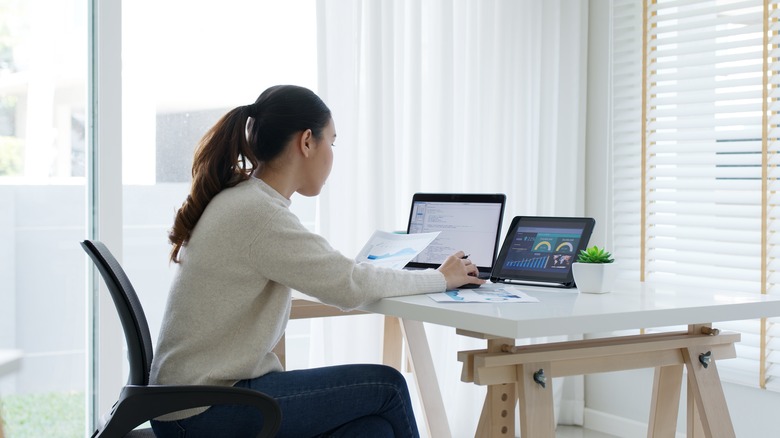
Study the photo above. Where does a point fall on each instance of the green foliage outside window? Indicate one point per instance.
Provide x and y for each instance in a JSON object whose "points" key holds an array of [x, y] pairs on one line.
{"points": [[55, 414], [10, 28], [11, 156]]}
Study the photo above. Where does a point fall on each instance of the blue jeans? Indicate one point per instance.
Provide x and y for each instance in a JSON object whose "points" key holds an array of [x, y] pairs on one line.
{"points": [[339, 401]]}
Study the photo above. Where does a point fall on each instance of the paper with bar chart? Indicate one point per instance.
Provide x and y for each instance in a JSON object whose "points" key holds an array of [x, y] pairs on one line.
{"points": [[391, 250]]}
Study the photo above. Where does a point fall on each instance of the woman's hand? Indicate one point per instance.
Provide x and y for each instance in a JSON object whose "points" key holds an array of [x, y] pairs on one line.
{"points": [[458, 270]]}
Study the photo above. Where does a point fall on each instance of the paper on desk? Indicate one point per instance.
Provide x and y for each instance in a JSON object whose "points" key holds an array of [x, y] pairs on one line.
{"points": [[487, 293], [392, 250]]}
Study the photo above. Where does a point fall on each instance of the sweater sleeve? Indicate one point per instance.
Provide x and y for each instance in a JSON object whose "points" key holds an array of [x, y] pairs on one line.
{"points": [[289, 254]]}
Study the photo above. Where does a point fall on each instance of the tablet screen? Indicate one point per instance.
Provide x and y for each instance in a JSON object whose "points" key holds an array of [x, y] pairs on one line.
{"points": [[542, 249]]}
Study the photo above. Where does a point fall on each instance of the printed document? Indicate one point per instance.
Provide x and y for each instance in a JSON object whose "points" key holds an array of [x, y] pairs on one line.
{"points": [[391, 250], [487, 293]]}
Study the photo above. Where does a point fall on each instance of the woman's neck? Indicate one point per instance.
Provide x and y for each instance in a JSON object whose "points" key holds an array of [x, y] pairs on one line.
{"points": [[276, 179]]}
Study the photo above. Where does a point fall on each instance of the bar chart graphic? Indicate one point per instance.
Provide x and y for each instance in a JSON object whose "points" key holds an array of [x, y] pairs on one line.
{"points": [[530, 262]]}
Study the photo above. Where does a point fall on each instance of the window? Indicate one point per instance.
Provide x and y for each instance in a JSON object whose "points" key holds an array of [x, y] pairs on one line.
{"points": [[43, 76], [179, 75], [700, 158]]}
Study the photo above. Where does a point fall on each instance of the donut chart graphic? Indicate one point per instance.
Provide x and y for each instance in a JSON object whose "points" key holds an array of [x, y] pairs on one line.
{"points": [[565, 246], [543, 246]]}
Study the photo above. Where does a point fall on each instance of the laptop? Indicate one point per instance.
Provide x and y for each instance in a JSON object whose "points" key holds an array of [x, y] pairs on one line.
{"points": [[539, 250], [468, 222]]}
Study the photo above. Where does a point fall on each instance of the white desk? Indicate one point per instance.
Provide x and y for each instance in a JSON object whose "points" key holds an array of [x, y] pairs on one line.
{"points": [[509, 371]]}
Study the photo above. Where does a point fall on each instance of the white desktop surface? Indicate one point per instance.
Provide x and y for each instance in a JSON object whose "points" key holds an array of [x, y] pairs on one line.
{"points": [[631, 305]]}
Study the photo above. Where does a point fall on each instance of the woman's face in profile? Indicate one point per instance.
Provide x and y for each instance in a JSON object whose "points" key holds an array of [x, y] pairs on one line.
{"points": [[320, 161]]}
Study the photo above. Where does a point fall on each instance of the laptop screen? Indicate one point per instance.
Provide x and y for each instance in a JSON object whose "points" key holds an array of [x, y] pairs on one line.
{"points": [[467, 222]]}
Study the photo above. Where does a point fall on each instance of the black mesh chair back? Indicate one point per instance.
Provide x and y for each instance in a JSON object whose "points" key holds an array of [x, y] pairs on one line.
{"points": [[139, 402], [131, 314]]}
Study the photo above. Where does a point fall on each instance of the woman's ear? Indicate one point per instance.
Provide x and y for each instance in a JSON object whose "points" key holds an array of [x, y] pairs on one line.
{"points": [[306, 142]]}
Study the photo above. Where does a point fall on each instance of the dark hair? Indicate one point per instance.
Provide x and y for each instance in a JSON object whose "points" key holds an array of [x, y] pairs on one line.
{"points": [[221, 157]]}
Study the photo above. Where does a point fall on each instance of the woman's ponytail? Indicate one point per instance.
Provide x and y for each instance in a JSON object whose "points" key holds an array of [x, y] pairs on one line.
{"points": [[220, 162], [239, 142]]}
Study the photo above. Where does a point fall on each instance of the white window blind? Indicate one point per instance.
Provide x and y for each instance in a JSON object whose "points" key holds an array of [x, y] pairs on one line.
{"points": [[699, 163], [626, 134]]}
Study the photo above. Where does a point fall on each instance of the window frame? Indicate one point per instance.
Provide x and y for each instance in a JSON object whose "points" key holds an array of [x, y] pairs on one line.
{"points": [[104, 201]]}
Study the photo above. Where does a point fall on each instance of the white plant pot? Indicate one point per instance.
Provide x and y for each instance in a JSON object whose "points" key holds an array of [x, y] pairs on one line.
{"points": [[594, 278]]}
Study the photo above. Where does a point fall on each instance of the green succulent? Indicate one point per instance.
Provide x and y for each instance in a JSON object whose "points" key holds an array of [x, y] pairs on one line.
{"points": [[594, 254]]}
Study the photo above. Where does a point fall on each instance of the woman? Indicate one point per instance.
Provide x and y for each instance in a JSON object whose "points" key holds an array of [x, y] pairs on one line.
{"points": [[240, 251]]}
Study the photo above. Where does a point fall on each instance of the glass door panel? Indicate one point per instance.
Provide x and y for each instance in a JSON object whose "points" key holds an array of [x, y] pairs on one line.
{"points": [[43, 77]]}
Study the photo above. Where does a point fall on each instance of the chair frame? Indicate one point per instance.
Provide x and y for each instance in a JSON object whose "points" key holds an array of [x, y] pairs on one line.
{"points": [[138, 401]]}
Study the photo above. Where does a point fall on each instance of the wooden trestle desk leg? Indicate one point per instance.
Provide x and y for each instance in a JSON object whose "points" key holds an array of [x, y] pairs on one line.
{"points": [[708, 413], [425, 376], [421, 364], [393, 342], [537, 417], [707, 394], [498, 412], [665, 401], [536, 403], [693, 426], [281, 351]]}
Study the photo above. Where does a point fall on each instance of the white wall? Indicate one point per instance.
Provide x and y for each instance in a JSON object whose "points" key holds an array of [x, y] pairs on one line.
{"points": [[619, 403]]}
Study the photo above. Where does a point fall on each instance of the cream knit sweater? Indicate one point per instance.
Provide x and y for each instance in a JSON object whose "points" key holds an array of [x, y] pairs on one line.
{"points": [[229, 302]]}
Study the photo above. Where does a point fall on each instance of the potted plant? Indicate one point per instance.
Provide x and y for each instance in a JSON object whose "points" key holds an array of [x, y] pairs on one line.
{"points": [[594, 270]]}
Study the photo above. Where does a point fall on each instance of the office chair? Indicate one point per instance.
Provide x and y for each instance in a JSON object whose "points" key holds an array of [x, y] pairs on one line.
{"points": [[138, 401]]}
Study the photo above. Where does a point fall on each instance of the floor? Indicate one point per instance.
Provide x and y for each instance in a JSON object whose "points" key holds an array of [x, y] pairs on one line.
{"points": [[578, 432]]}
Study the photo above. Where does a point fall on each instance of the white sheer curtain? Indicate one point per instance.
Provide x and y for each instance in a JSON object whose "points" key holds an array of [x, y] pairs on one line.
{"points": [[452, 96]]}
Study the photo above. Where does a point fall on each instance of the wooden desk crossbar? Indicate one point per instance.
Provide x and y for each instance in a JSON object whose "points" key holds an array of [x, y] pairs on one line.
{"points": [[523, 374]]}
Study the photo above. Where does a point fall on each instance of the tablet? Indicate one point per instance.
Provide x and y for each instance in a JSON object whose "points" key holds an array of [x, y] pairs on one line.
{"points": [[540, 250]]}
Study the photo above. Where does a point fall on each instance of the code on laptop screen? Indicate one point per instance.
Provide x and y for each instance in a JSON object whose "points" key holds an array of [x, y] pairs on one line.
{"points": [[470, 227]]}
